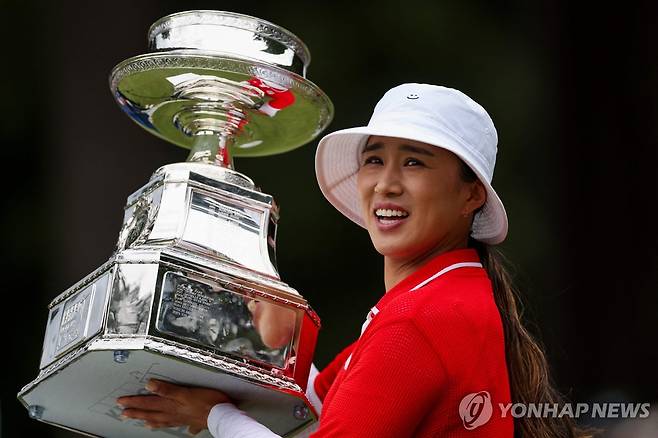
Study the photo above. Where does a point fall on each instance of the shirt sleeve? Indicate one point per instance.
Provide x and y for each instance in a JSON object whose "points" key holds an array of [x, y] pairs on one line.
{"points": [[227, 421], [392, 380], [311, 394]]}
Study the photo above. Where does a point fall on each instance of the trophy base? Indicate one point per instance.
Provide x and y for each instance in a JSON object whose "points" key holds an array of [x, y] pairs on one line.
{"points": [[79, 393]]}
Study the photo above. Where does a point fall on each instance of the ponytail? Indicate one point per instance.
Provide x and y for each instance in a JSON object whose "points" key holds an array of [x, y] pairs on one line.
{"points": [[529, 373], [528, 369]]}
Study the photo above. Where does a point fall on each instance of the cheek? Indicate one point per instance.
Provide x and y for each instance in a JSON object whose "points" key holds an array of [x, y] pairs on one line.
{"points": [[364, 189], [436, 209]]}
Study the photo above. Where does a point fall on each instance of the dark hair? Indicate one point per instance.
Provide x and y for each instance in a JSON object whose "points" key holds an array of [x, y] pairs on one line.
{"points": [[529, 373]]}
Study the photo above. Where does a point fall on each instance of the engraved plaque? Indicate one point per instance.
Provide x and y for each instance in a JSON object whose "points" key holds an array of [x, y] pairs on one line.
{"points": [[215, 317], [74, 319]]}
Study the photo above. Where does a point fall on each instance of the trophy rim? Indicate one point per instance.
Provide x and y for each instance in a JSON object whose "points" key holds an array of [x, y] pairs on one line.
{"points": [[205, 59], [248, 22]]}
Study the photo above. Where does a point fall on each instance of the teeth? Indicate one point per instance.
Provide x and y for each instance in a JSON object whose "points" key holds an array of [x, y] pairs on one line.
{"points": [[382, 212]]}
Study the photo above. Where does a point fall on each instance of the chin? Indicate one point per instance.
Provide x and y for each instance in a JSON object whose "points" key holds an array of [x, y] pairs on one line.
{"points": [[403, 248], [394, 249]]}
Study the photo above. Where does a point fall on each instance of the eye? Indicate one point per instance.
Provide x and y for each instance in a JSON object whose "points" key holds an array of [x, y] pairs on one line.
{"points": [[373, 159], [413, 162]]}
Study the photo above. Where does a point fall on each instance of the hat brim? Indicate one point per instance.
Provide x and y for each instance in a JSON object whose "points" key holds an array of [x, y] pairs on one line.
{"points": [[337, 162]]}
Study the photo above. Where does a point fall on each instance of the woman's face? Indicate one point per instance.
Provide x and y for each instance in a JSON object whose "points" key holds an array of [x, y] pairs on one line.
{"points": [[413, 198]]}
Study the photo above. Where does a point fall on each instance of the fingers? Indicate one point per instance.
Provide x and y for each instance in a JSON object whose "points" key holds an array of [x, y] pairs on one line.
{"points": [[172, 405], [146, 403], [187, 396], [166, 389], [152, 418]]}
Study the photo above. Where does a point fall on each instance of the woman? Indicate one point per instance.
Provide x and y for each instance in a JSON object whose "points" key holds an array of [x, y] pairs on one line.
{"points": [[444, 346]]}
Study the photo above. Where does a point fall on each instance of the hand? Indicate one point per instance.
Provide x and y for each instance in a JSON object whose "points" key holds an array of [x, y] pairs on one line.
{"points": [[172, 405]]}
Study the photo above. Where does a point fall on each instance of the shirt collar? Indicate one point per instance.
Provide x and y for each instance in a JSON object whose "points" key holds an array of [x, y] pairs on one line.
{"points": [[430, 268]]}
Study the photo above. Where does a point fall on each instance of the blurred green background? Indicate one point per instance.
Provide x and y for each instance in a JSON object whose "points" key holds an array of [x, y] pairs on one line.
{"points": [[571, 87]]}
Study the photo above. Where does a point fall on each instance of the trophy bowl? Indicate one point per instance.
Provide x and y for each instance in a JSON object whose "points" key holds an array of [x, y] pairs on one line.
{"points": [[192, 294]]}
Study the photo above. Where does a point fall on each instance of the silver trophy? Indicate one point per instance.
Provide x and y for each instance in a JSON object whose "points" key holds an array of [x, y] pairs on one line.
{"points": [[192, 294]]}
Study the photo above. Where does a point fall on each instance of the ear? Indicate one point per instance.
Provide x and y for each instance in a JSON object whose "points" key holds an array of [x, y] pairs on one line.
{"points": [[477, 196]]}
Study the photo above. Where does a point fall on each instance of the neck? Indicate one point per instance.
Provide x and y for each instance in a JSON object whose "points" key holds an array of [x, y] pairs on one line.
{"points": [[398, 268]]}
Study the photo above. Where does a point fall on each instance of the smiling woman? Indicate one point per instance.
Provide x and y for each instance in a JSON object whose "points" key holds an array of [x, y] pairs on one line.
{"points": [[413, 199], [444, 347]]}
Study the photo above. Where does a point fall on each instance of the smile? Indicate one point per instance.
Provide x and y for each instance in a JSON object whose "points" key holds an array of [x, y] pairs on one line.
{"points": [[389, 218], [382, 213]]}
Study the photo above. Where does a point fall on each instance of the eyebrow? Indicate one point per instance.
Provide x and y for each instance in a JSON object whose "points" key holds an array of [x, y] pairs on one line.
{"points": [[402, 147]]}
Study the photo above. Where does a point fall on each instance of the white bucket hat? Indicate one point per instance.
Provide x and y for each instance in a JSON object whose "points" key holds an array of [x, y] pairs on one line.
{"points": [[432, 114]]}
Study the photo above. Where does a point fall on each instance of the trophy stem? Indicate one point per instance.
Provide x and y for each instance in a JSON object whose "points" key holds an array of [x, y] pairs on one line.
{"points": [[212, 149]]}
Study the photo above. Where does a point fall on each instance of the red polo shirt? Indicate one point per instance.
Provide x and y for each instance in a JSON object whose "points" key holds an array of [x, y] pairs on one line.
{"points": [[420, 353]]}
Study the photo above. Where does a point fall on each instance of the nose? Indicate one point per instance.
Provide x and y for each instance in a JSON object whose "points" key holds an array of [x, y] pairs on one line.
{"points": [[388, 181]]}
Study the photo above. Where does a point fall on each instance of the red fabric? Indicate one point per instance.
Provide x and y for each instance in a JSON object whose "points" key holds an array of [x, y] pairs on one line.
{"points": [[419, 356], [327, 376]]}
